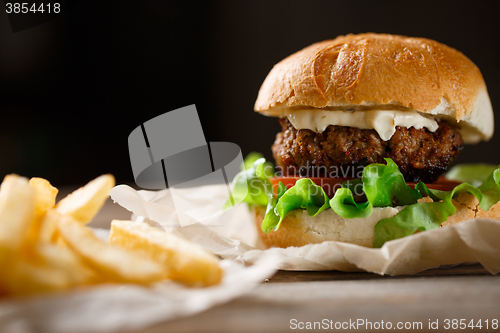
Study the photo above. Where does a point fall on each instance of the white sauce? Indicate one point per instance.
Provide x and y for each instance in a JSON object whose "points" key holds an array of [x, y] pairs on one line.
{"points": [[382, 121]]}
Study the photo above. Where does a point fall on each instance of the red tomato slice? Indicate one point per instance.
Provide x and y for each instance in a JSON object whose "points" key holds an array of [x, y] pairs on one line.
{"points": [[442, 184], [330, 185]]}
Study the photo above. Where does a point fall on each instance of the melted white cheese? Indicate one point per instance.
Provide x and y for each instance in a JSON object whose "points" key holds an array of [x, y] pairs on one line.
{"points": [[382, 121]]}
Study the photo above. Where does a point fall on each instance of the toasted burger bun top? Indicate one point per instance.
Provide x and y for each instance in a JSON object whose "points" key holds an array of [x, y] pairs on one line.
{"points": [[374, 71]]}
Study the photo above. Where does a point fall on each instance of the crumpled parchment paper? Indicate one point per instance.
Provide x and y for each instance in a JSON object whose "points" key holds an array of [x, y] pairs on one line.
{"points": [[231, 234]]}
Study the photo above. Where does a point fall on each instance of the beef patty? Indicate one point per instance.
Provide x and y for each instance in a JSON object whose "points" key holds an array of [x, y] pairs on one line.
{"points": [[421, 155]]}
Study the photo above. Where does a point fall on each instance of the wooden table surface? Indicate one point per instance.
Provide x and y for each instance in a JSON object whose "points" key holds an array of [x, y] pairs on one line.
{"points": [[332, 298]]}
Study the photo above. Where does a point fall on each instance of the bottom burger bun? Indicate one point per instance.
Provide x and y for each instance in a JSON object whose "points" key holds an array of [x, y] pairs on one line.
{"points": [[468, 208], [299, 229]]}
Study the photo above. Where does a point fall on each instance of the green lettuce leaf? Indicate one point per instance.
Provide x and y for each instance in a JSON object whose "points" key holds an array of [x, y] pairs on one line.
{"points": [[430, 215], [272, 219], [383, 186], [250, 160], [356, 186], [252, 184], [344, 205], [419, 216], [474, 174], [491, 190], [304, 195]]}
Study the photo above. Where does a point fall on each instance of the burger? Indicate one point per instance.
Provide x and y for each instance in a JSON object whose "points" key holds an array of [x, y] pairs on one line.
{"points": [[370, 123]]}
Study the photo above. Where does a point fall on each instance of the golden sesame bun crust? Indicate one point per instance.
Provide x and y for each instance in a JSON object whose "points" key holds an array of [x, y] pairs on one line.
{"points": [[376, 70]]}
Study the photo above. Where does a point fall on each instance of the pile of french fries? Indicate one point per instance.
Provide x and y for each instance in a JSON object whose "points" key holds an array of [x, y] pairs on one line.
{"points": [[47, 247]]}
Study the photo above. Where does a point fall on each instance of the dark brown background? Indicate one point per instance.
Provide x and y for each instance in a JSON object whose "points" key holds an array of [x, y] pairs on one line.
{"points": [[74, 88]]}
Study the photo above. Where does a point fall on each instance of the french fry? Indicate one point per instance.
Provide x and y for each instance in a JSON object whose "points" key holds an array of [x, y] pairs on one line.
{"points": [[64, 259], [45, 195], [116, 263], [182, 260], [25, 277], [84, 203], [17, 210], [48, 230], [45, 199], [6, 256], [46, 247]]}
